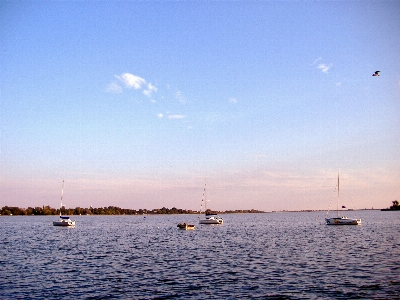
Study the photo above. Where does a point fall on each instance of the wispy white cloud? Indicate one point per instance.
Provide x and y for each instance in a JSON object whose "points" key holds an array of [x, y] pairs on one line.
{"points": [[150, 89], [131, 81], [114, 87], [170, 117], [324, 67], [147, 93], [128, 80], [316, 60], [179, 96], [233, 100]]}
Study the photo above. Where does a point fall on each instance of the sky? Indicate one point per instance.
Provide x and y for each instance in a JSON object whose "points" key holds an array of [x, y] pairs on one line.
{"points": [[138, 104]]}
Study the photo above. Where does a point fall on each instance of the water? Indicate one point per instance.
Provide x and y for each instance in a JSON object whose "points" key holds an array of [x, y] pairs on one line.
{"points": [[257, 256]]}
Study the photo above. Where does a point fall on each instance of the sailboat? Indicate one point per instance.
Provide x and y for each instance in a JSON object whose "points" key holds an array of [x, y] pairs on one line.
{"points": [[210, 218], [341, 220], [64, 220]]}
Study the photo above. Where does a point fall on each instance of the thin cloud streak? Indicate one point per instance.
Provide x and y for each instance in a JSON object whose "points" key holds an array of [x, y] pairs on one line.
{"points": [[317, 60]]}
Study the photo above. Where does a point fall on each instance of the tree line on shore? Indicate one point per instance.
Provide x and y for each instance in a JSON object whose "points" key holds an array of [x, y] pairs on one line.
{"points": [[110, 210], [395, 206]]}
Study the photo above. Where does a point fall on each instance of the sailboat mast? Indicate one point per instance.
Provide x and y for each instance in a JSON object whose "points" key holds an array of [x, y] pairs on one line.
{"points": [[205, 197], [62, 193], [338, 194]]}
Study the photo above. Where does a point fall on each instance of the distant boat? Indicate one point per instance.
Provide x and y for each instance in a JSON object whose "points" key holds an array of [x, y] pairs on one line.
{"points": [[341, 220], [210, 218], [185, 226], [64, 220]]}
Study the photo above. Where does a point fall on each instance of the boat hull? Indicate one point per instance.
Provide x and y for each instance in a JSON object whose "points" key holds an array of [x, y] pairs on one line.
{"points": [[65, 223], [343, 221], [211, 219], [185, 226], [210, 222]]}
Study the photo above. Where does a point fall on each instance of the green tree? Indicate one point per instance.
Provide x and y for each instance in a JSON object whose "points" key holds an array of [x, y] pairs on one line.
{"points": [[47, 210], [6, 211], [395, 205]]}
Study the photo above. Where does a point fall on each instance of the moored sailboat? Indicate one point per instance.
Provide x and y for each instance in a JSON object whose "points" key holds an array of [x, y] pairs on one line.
{"points": [[341, 220], [210, 218], [64, 220]]}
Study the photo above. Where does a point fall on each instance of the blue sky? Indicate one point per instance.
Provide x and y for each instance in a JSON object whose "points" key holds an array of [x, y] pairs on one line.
{"points": [[136, 103]]}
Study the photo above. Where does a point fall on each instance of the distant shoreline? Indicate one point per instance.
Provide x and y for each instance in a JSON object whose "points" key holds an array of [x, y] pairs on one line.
{"points": [[112, 210], [324, 210]]}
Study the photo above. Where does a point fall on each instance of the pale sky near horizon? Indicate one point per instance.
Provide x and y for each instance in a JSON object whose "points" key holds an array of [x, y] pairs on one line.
{"points": [[136, 103]]}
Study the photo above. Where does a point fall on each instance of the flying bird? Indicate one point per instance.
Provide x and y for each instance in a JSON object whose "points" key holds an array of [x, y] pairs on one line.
{"points": [[376, 73]]}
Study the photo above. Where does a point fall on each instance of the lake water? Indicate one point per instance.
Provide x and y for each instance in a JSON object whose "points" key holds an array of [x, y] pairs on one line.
{"points": [[257, 256]]}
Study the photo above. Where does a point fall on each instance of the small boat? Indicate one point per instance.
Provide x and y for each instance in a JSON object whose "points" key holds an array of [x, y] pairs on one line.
{"points": [[185, 226], [341, 220], [210, 218], [64, 220]]}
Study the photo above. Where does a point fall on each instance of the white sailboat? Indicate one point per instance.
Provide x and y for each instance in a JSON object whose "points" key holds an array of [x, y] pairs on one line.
{"points": [[343, 220], [210, 218], [64, 220]]}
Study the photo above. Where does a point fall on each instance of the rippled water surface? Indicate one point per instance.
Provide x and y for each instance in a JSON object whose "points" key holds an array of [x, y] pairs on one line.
{"points": [[264, 256]]}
